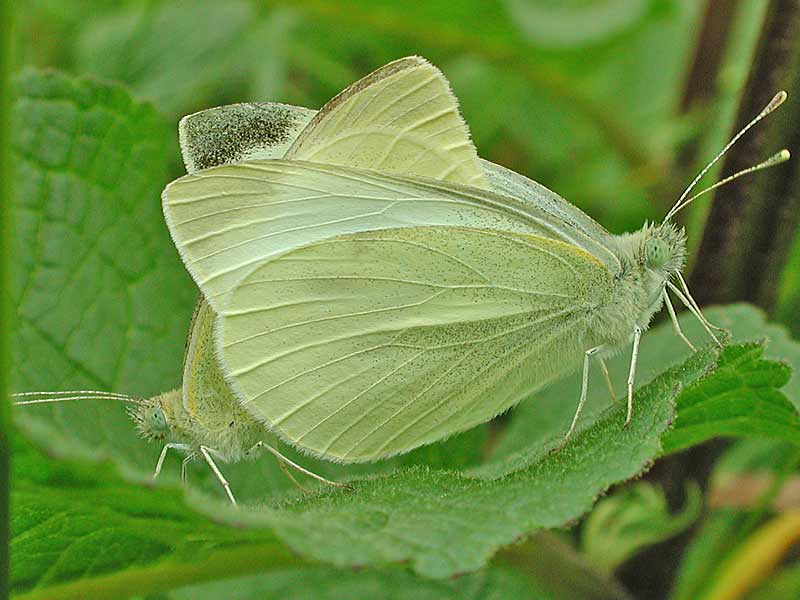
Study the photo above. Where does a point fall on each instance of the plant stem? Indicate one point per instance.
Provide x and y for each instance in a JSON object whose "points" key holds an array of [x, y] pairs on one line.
{"points": [[221, 564], [751, 223], [714, 34], [730, 259], [756, 559]]}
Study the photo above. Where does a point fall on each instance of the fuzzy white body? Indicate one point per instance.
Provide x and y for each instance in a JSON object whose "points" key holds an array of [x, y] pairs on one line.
{"points": [[637, 292]]}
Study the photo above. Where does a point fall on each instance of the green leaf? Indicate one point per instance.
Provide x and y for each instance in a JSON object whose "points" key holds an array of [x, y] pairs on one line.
{"points": [[6, 204], [93, 258], [748, 323], [783, 584], [537, 420], [445, 522], [631, 519], [321, 583], [743, 400], [103, 302], [79, 531], [173, 51], [184, 55]]}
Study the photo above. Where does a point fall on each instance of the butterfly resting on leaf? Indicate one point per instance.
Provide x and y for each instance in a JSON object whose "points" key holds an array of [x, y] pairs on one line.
{"points": [[370, 285]]}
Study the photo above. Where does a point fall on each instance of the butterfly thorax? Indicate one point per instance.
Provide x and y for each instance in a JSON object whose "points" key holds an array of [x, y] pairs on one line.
{"points": [[648, 258]]}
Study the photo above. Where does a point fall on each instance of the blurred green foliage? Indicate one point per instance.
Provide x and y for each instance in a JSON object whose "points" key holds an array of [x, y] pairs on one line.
{"points": [[584, 96], [589, 105]]}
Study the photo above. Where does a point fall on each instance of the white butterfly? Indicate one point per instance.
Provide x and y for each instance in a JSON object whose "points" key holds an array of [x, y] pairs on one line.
{"points": [[370, 285]]}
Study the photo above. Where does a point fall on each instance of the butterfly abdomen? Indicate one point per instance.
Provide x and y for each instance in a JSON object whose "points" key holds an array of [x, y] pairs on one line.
{"points": [[214, 417]]}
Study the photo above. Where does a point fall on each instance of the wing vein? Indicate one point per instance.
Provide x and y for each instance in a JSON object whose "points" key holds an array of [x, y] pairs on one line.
{"points": [[438, 405], [335, 317], [356, 397], [408, 281]]}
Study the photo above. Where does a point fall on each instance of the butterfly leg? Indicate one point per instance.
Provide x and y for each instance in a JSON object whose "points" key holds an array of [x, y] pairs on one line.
{"points": [[185, 463], [206, 452], [698, 315], [163, 456], [637, 336], [693, 307], [584, 391], [292, 478], [693, 302], [607, 377], [286, 461], [283, 467], [674, 318]]}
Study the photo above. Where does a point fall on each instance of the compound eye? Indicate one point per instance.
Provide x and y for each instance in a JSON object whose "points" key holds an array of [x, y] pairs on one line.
{"points": [[656, 253], [158, 419]]}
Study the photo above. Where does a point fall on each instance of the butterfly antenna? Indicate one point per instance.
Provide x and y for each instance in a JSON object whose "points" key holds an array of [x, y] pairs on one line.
{"points": [[775, 159], [71, 395], [776, 101]]}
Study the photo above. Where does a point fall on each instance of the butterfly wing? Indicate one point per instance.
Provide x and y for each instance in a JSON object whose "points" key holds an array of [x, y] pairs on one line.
{"points": [[206, 395], [266, 130], [209, 138], [238, 132], [401, 118], [228, 219], [367, 345], [510, 183]]}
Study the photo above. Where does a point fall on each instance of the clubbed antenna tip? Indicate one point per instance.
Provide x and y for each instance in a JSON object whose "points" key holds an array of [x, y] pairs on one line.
{"points": [[776, 101], [773, 160]]}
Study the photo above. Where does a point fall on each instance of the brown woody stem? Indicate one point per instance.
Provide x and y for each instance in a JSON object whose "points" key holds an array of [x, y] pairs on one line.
{"points": [[751, 224]]}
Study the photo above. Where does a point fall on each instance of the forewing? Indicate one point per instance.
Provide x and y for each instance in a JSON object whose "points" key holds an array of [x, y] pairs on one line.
{"points": [[402, 118], [510, 183], [228, 219], [267, 130], [209, 138], [370, 344], [238, 132]]}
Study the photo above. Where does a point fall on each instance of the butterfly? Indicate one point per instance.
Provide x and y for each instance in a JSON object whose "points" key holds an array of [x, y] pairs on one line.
{"points": [[370, 285]]}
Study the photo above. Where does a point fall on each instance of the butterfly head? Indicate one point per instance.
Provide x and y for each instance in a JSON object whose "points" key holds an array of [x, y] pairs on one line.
{"points": [[151, 419], [663, 248]]}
